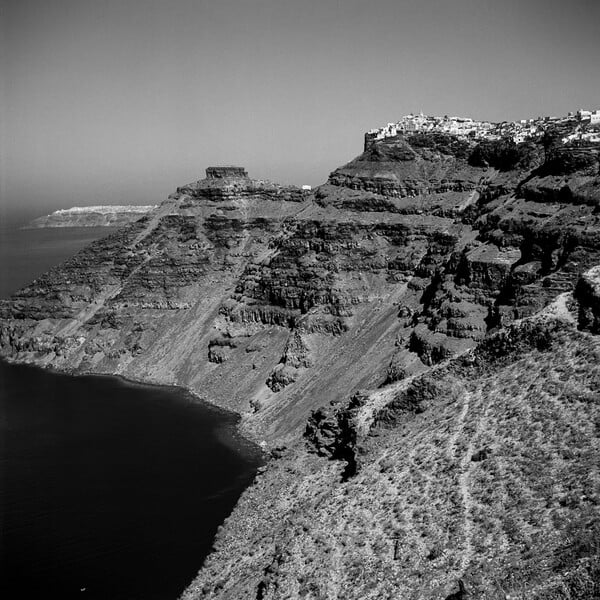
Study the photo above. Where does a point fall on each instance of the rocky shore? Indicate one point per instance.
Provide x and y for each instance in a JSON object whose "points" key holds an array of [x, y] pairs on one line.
{"points": [[415, 341]]}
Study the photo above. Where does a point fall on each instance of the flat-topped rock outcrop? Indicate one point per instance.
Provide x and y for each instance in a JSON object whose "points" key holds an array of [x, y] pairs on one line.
{"points": [[225, 172], [233, 183]]}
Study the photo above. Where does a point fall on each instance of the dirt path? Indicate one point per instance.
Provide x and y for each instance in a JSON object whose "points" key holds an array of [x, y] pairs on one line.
{"points": [[464, 468]]}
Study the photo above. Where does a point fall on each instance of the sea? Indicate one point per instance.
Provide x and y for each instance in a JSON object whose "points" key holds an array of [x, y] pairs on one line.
{"points": [[109, 489]]}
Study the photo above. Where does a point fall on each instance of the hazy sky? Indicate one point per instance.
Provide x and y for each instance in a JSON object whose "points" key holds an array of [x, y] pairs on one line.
{"points": [[115, 101]]}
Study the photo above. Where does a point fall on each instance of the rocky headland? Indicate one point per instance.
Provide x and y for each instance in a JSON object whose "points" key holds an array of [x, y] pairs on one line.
{"points": [[415, 342], [92, 216]]}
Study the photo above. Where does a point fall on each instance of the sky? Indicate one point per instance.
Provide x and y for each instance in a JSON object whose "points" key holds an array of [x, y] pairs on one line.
{"points": [[121, 101]]}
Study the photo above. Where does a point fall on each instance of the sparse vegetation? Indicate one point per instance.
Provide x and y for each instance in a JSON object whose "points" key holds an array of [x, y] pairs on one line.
{"points": [[521, 521]]}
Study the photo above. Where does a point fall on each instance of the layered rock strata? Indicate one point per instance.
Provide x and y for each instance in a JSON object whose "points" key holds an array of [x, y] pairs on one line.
{"points": [[415, 340]]}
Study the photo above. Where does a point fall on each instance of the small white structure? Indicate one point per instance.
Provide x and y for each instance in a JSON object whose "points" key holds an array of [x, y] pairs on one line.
{"points": [[520, 137], [307, 188], [591, 137]]}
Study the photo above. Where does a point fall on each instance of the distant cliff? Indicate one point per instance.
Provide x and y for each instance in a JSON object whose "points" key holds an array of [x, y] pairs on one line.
{"points": [[416, 342], [91, 216]]}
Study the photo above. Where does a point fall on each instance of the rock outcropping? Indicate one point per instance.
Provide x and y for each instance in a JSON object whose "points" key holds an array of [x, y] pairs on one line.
{"points": [[415, 340]]}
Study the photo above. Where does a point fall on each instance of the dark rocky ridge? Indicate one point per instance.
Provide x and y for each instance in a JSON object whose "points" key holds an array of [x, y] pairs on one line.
{"points": [[275, 302]]}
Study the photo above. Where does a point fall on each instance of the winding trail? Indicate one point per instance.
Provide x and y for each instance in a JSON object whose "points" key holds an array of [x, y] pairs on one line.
{"points": [[464, 467]]}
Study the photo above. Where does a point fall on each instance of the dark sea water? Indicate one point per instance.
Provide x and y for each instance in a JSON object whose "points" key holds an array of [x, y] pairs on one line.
{"points": [[108, 490], [113, 487]]}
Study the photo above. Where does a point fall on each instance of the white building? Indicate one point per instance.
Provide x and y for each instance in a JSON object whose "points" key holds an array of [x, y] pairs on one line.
{"points": [[591, 137], [464, 127]]}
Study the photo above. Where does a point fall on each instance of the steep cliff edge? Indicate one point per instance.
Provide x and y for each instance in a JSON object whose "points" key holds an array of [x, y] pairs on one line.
{"points": [[244, 282], [277, 303]]}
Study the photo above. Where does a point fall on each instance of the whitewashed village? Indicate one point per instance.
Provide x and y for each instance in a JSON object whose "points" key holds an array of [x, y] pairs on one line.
{"points": [[580, 126]]}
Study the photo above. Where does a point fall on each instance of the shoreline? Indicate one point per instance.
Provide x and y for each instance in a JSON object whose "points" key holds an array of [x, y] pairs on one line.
{"points": [[250, 445], [178, 398]]}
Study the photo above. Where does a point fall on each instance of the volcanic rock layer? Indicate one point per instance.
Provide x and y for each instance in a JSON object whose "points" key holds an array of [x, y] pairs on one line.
{"points": [[415, 341]]}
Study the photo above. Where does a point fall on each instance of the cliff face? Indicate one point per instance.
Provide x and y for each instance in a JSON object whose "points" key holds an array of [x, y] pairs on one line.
{"points": [[399, 167], [264, 287], [407, 276]]}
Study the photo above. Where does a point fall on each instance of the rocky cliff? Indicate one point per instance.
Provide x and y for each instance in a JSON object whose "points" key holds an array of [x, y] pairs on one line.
{"points": [[415, 341]]}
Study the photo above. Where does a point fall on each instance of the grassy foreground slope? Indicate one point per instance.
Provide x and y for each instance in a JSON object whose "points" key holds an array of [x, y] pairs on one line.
{"points": [[479, 478]]}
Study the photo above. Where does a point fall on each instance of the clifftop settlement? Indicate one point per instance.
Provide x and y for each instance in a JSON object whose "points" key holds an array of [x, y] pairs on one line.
{"points": [[584, 125]]}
